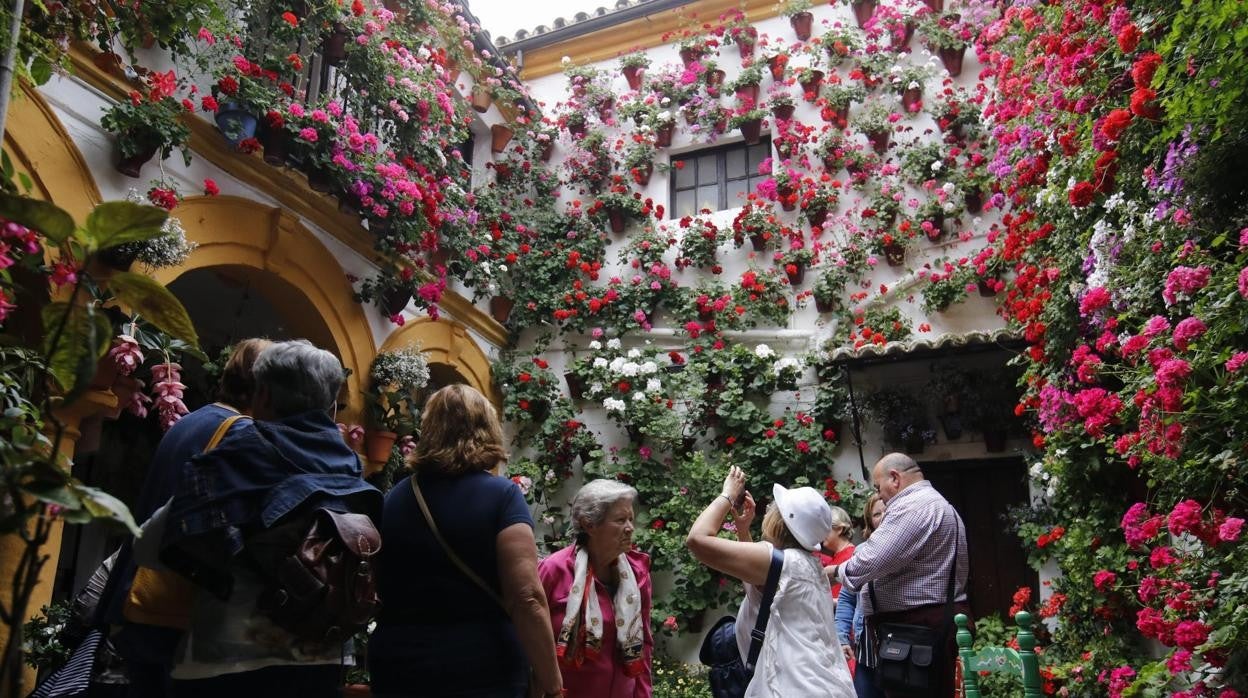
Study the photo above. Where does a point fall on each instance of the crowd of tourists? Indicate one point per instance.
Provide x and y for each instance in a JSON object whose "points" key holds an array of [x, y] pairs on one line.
{"points": [[264, 551]]}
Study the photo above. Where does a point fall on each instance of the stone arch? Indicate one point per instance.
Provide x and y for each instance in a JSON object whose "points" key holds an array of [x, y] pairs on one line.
{"points": [[448, 343], [237, 232]]}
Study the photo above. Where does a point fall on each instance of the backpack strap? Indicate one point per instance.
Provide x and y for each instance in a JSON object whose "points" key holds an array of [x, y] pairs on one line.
{"points": [[764, 610], [446, 548], [222, 429]]}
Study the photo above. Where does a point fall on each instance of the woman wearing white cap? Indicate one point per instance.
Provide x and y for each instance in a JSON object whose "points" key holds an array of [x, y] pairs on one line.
{"points": [[801, 655]]}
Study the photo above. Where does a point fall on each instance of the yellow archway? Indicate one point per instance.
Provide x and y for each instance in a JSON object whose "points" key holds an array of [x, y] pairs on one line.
{"points": [[235, 232], [447, 342]]}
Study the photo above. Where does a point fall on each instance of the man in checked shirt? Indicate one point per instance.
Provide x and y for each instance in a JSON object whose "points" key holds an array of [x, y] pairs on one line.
{"points": [[907, 561]]}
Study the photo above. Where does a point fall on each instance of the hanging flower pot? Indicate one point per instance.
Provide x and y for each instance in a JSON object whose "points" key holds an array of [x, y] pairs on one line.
{"points": [[689, 56], [836, 115], [349, 203], [879, 141], [745, 41], [605, 107], [974, 201], [576, 387], [642, 174], [616, 217], [633, 75], [952, 58], [634, 433], [500, 308], [748, 94], [812, 82], [910, 98], [864, 10], [502, 171], [802, 23], [576, 129], [796, 271], [752, 131], [500, 136], [117, 258], [787, 200], [236, 123], [546, 150], [783, 112], [816, 216], [777, 65], [334, 47], [319, 179], [936, 6], [988, 287], [130, 166], [481, 98], [758, 242], [895, 254], [721, 124], [714, 81], [901, 40], [934, 227], [825, 306], [394, 300], [379, 444], [663, 134], [276, 144]]}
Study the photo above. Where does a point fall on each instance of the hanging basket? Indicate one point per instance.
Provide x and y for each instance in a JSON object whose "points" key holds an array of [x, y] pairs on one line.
{"points": [[576, 387], [642, 174], [776, 64], [796, 275], [131, 166], [393, 301], [802, 22], [811, 85], [974, 201]]}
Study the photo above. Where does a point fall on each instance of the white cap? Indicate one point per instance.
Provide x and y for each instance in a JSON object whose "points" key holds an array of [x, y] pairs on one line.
{"points": [[806, 514]]}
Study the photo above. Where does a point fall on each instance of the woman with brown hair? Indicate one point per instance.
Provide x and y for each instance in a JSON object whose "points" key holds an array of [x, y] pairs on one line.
{"points": [[849, 623], [462, 604]]}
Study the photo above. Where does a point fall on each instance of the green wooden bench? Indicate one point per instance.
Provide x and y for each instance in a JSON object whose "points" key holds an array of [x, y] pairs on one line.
{"points": [[1021, 662]]}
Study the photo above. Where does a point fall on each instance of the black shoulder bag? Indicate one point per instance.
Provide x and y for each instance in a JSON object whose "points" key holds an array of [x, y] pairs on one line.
{"points": [[729, 675], [905, 663]]}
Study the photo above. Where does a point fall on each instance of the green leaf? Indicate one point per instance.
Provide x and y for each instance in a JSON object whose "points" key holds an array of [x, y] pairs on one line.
{"points": [[54, 223], [75, 349], [118, 222], [40, 70], [156, 303], [102, 505]]}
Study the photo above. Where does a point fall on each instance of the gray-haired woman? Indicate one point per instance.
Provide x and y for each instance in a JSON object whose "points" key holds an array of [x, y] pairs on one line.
{"points": [[599, 594]]}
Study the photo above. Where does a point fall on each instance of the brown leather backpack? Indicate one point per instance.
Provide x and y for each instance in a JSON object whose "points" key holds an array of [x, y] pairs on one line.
{"points": [[319, 574]]}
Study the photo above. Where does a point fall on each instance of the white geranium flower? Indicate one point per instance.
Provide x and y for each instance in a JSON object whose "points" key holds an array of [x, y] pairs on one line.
{"points": [[617, 364], [630, 368], [639, 396], [595, 345], [763, 351], [787, 362], [648, 368], [600, 363], [634, 353], [613, 343], [653, 385], [613, 405]]}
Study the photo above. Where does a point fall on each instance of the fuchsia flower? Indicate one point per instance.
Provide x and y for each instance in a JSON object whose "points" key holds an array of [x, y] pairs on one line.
{"points": [[138, 403], [126, 354], [168, 392]]}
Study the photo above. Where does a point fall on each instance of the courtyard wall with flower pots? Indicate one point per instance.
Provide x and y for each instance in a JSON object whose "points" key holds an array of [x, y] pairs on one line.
{"points": [[680, 344]]}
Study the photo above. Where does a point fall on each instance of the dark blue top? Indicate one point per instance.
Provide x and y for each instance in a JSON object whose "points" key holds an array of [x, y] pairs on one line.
{"points": [[438, 632], [260, 472]]}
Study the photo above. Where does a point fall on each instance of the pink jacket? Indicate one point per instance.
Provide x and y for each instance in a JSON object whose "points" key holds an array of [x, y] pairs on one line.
{"points": [[601, 676]]}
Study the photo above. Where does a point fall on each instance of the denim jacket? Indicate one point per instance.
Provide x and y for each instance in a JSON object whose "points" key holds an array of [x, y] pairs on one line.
{"points": [[848, 615], [259, 472]]}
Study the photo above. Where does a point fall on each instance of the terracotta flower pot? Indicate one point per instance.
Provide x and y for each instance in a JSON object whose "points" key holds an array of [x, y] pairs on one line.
{"points": [[276, 144], [911, 97], [802, 23], [974, 201], [576, 387], [758, 242], [481, 99], [895, 254], [796, 275], [500, 308], [817, 216], [379, 444], [748, 94], [936, 6], [605, 107], [901, 42], [863, 11], [319, 179], [879, 141], [752, 131], [988, 287], [576, 129], [500, 136], [642, 174], [663, 134], [783, 112], [836, 115], [689, 56], [746, 41], [825, 306], [334, 47], [633, 75], [714, 81], [952, 58], [617, 220], [811, 85], [130, 166], [777, 65], [787, 200], [545, 150]]}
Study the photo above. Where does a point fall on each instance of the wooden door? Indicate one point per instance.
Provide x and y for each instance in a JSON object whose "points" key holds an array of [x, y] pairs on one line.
{"points": [[983, 491]]}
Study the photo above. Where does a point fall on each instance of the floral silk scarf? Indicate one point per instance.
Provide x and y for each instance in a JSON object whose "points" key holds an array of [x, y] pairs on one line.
{"points": [[581, 634]]}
